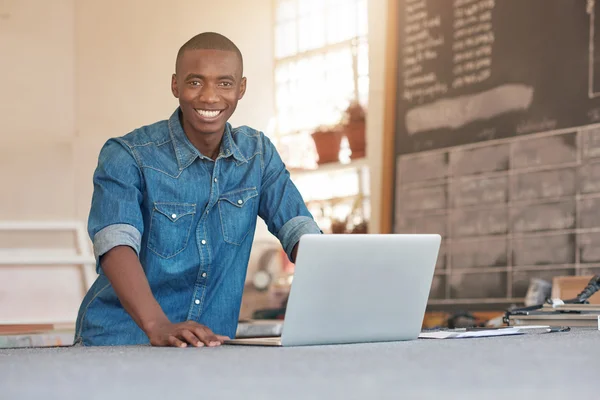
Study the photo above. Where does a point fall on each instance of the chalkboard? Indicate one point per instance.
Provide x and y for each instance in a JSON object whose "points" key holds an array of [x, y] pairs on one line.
{"points": [[476, 70], [492, 140]]}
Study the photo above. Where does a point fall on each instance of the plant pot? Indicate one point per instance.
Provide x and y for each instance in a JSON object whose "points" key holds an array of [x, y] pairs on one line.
{"points": [[355, 132], [327, 143]]}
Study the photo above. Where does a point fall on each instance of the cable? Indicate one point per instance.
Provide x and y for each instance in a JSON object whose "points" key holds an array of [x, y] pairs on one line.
{"points": [[592, 287]]}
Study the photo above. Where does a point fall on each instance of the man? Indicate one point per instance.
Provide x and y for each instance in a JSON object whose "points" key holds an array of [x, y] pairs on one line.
{"points": [[174, 211]]}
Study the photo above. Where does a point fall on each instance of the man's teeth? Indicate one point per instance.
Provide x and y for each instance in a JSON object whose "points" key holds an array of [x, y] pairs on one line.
{"points": [[208, 114]]}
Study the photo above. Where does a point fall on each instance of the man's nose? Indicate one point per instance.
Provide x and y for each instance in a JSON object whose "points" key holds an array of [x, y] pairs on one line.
{"points": [[209, 94]]}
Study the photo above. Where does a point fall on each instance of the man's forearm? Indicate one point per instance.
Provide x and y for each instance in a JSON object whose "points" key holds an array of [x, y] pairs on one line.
{"points": [[294, 253], [126, 275]]}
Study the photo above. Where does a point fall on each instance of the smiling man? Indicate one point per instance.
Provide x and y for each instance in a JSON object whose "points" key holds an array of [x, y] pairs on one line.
{"points": [[174, 210]]}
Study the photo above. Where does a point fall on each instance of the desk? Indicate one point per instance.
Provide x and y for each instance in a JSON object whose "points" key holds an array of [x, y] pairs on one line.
{"points": [[545, 366]]}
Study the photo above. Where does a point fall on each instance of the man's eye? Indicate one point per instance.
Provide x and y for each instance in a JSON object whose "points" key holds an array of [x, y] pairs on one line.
{"points": [[226, 84], [195, 83]]}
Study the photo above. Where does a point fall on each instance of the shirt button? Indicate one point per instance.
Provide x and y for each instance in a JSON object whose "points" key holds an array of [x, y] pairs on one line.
{"points": [[215, 180], [240, 201], [204, 274], [203, 241], [197, 301], [173, 216]]}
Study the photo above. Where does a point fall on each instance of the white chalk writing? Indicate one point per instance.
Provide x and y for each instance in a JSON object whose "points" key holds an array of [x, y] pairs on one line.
{"points": [[422, 40], [473, 41]]}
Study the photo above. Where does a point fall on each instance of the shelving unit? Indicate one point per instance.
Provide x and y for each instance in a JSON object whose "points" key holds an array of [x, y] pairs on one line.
{"points": [[335, 192]]}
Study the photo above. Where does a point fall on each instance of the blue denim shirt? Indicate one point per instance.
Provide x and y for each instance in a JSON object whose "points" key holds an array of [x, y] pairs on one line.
{"points": [[191, 221]]}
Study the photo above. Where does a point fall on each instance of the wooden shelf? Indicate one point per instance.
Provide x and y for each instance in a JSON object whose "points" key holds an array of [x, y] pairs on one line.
{"points": [[330, 167]]}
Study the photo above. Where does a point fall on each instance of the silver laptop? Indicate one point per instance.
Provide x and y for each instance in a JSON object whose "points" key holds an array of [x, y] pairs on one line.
{"points": [[356, 288]]}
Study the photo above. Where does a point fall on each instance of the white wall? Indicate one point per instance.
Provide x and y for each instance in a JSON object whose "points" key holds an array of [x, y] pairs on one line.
{"points": [[37, 109], [75, 72]]}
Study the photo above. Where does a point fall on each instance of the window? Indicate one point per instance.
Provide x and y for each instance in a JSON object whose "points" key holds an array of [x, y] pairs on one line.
{"points": [[321, 65]]}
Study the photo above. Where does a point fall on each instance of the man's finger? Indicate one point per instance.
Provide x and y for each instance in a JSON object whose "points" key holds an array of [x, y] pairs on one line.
{"points": [[173, 341], [207, 336], [191, 338], [223, 338]]}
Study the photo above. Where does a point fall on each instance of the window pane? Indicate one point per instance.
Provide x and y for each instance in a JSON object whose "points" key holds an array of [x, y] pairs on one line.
{"points": [[339, 3], [341, 77], [363, 90], [286, 10], [342, 23], [363, 18], [283, 97], [282, 73], [285, 39], [311, 32], [284, 123], [306, 7], [340, 59], [315, 90], [297, 151], [294, 74], [363, 59]]}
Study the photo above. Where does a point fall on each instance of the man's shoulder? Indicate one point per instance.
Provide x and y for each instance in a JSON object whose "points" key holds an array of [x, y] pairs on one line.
{"points": [[245, 133], [249, 140], [155, 133], [125, 146]]}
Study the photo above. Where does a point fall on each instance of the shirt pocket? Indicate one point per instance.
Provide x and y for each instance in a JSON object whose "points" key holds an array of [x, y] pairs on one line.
{"points": [[170, 228], [237, 212]]}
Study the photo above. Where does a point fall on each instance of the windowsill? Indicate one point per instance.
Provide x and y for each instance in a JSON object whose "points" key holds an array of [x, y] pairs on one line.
{"points": [[331, 167]]}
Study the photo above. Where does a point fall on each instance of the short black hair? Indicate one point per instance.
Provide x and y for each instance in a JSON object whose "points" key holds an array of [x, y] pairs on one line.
{"points": [[210, 41]]}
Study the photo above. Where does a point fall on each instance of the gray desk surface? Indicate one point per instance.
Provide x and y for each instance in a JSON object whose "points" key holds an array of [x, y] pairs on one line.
{"points": [[540, 366]]}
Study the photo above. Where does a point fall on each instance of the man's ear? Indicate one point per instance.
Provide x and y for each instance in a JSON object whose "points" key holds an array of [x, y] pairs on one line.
{"points": [[242, 88], [174, 88]]}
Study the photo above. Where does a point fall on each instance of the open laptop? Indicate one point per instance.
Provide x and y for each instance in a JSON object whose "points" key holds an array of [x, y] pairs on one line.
{"points": [[356, 288]]}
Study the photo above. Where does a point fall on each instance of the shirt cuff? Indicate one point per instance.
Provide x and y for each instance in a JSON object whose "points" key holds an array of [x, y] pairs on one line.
{"points": [[291, 231], [116, 235]]}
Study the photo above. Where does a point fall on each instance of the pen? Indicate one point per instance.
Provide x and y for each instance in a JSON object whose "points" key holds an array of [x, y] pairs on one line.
{"points": [[558, 329]]}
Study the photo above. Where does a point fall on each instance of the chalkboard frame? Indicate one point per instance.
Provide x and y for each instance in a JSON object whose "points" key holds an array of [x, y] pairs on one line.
{"points": [[390, 114]]}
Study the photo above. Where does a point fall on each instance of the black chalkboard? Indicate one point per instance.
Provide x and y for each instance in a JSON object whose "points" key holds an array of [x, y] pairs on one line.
{"points": [[476, 70]]}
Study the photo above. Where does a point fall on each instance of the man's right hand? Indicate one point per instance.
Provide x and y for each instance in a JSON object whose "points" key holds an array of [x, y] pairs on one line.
{"points": [[184, 333]]}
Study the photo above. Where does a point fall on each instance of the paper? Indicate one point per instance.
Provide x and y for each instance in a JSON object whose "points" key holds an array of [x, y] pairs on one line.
{"points": [[470, 334]]}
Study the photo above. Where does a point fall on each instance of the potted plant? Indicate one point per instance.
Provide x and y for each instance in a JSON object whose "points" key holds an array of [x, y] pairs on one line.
{"points": [[354, 126], [327, 142]]}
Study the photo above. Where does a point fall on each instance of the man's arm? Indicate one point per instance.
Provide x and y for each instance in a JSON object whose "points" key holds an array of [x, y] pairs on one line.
{"points": [[126, 275], [281, 204]]}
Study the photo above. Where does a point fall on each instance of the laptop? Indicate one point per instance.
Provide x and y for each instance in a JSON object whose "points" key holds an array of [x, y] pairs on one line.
{"points": [[357, 288]]}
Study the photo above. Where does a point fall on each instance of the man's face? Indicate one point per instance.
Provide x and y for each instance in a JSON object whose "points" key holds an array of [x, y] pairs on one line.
{"points": [[208, 84]]}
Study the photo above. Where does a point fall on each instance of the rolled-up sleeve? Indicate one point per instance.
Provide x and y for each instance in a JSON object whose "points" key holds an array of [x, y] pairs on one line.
{"points": [[281, 204], [291, 231], [115, 216]]}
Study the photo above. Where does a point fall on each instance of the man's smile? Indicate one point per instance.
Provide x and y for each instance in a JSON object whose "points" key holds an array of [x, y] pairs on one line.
{"points": [[208, 115]]}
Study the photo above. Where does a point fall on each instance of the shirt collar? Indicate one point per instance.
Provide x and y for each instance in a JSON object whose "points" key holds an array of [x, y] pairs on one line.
{"points": [[185, 151]]}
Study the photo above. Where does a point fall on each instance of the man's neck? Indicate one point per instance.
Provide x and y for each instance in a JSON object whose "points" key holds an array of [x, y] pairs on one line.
{"points": [[207, 144]]}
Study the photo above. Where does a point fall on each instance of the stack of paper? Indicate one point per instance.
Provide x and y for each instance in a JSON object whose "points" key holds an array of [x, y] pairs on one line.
{"points": [[470, 334]]}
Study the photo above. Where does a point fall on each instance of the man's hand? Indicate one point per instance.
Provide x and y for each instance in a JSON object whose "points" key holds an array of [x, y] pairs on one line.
{"points": [[184, 333]]}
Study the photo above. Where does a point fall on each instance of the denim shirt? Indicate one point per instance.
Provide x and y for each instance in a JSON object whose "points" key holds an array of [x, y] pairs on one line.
{"points": [[191, 221]]}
